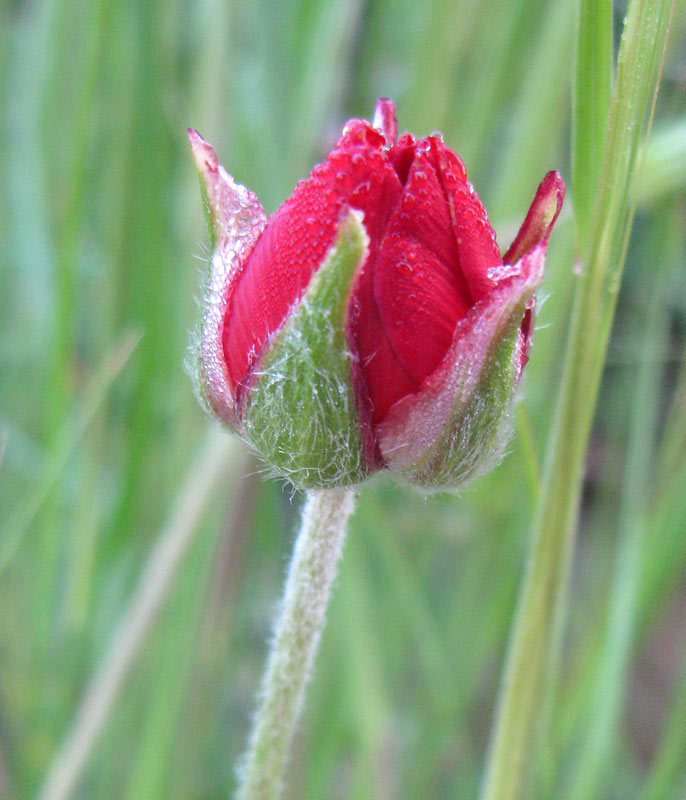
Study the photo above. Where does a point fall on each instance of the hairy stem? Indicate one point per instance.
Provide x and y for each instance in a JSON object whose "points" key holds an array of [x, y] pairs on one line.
{"points": [[298, 630]]}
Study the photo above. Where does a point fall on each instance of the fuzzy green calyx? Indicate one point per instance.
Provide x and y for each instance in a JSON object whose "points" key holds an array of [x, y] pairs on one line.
{"points": [[301, 414]]}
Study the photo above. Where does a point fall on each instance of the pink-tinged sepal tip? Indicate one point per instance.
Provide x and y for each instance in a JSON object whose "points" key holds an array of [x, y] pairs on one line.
{"points": [[230, 208], [203, 152], [541, 217]]}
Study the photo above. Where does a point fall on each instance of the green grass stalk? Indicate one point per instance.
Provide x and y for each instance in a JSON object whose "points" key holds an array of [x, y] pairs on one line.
{"points": [[614, 661], [536, 634]]}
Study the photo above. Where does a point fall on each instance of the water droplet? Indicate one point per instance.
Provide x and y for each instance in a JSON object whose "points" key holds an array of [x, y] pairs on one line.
{"points": [[339, 158]]}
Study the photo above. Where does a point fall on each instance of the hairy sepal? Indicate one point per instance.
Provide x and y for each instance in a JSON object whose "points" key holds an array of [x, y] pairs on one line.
{"points": [[301, 413], [235, 219], [458, 424]]}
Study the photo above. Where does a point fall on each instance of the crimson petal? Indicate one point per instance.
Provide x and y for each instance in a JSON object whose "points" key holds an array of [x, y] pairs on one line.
{"points": [[450, 430], [477, 248], [417, 284]]}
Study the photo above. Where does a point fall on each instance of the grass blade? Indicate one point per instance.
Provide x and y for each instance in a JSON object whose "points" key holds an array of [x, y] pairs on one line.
{"points": [[66, 441], [218, 451], [592, 96], [535, 639]]}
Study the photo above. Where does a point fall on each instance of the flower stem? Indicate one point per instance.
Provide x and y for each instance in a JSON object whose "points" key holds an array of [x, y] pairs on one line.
{"points": [[298, 630]]}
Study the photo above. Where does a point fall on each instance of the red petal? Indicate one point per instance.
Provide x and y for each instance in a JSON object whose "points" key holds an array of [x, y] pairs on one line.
{"points": [[477, 248], [417, 423], [378, 374], [297, 237], [420, 291], [402, 155], [540, 218]]}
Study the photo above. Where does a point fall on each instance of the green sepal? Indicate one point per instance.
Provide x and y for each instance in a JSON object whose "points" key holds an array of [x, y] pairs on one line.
{"points": [[301, 413], [235, 220], [210, 217], [476, 432]]}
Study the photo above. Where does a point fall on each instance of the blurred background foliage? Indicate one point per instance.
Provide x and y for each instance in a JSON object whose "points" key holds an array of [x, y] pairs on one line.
{"points": [[102, 242]]}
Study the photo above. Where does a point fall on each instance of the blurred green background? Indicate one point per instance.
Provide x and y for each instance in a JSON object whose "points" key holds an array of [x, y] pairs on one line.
{"points": [[102, 244]]}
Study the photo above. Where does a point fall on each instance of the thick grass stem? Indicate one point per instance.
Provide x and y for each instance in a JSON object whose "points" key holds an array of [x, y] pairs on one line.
{"points": [[531, 668], [298, 630]]}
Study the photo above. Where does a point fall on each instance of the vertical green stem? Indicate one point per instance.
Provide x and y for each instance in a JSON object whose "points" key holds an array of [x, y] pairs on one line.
{"points": [[536, 634], [298, 630], [610, 680]]}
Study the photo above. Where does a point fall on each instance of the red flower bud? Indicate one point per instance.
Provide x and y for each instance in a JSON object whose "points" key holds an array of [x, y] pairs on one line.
{"points": [[407, 347]]}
